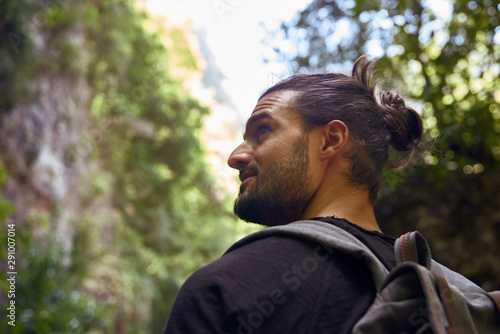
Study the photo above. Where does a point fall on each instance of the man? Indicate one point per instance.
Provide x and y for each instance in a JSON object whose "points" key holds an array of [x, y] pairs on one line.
{"points": [[314, 147]]}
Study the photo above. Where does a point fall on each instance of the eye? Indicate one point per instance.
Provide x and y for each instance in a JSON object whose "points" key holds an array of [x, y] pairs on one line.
{"points": [[262, 130]]}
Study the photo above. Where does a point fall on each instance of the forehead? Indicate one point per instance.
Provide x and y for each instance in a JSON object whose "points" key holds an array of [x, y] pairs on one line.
{"points": [[276, 105]]}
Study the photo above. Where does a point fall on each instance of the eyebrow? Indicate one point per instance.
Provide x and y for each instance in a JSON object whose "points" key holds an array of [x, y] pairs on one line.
{"points": [[256, 118]]}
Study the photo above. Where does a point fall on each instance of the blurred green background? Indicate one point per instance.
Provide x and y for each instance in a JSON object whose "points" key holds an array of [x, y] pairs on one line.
{"points": [[105, 176]]}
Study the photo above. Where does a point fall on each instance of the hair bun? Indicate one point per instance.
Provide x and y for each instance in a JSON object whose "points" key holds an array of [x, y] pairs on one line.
{"points": [[403, 123]]}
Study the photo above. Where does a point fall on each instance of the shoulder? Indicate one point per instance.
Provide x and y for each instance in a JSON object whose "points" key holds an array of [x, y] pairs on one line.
{"points": [[250, 283], [258, 261]]}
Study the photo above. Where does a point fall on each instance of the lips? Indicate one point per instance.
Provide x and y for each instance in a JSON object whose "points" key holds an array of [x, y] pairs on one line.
{"points": [[246, 175]]}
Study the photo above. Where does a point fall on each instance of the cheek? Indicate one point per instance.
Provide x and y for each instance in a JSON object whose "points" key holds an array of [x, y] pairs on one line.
{"points": [[263, 156], [273, 149]]}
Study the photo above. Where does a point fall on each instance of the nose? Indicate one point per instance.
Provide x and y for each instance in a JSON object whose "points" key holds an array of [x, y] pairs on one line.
{"points": [[241, 156]]}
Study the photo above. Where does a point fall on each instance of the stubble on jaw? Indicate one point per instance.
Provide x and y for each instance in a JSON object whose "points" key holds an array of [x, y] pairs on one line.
{"points": [[279, 194]]}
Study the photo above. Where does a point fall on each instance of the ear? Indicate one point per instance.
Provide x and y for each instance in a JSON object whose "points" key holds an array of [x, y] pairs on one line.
{"points": [[335, 138]]}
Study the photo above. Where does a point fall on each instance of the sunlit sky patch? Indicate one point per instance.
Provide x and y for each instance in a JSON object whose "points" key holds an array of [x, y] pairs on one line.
{"points": [[235, 30]]}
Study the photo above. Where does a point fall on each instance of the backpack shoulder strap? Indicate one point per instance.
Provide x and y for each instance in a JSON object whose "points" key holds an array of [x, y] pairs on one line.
{"points": [[329, 236], [413, 247]]}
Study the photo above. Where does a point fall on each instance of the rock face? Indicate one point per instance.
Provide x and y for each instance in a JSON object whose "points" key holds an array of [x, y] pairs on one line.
{"points": [[42, 138]]}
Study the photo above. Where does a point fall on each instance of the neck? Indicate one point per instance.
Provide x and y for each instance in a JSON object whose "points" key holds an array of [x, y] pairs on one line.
{"points": [[351, 204]]}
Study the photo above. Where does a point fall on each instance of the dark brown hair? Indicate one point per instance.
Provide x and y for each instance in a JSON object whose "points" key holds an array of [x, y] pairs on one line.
{"points": [[323, 97]]}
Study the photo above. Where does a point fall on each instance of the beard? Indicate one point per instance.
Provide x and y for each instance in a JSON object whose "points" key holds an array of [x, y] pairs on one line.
{"points": [[279, 194]]}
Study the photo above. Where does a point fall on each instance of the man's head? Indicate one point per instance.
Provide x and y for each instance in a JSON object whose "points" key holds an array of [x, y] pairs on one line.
{"points": [[273, 163], [341, 113]]}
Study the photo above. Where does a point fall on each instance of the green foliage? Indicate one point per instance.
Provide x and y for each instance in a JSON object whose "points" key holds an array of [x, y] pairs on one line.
{"points": [[145, 212], [48, 296], [15, 47], [6, 208], [446, 63]]}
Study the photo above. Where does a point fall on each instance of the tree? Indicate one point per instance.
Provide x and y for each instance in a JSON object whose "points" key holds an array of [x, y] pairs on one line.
{"points": [[444, 59]]}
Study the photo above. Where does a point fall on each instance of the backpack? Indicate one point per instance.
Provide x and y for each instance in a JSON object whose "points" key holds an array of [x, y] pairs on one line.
{"points": [[419, 295]]}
